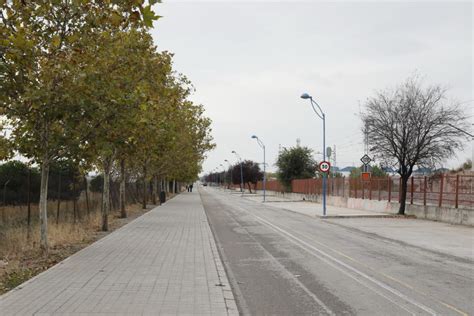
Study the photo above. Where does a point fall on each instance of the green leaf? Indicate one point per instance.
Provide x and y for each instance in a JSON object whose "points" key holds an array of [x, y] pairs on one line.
{"points": [[116, 19], [149, 16], [56, 41]]}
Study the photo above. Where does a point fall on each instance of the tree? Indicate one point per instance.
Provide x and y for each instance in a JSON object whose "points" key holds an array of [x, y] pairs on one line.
{"points": [[295, 163], [412, 125], [251, 173], [40, 43], [5, 147]]}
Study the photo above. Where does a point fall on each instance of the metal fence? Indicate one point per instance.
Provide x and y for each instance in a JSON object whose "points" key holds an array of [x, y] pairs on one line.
{"points": [[441, 190]]}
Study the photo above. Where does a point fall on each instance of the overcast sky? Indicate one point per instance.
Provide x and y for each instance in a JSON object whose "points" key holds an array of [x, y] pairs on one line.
{"points": [[250, 61]]}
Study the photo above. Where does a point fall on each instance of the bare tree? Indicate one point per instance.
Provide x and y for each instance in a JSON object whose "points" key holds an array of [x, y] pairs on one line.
{"points": [[413, 125]]}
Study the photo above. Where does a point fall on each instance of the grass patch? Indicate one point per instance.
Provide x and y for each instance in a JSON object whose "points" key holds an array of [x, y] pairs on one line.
{"points": [[21, 259]]}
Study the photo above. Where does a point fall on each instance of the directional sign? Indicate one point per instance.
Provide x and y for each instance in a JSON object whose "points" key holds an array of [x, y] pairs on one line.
{"points": [[366, 159], [324, 166]]}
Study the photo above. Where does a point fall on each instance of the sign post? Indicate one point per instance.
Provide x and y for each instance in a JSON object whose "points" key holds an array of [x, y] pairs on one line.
{"points": [[324, 167]]}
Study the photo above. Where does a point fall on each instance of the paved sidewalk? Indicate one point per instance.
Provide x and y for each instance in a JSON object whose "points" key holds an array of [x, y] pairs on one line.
{"points": [[311, 208], [165, 262], [454, 240]]}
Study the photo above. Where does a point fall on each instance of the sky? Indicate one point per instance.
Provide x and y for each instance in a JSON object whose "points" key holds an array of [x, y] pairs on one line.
{"points": [[250, 62]]}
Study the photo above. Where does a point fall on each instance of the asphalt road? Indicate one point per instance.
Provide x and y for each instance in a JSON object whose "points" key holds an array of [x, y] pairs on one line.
{"points": [[283, 263]]}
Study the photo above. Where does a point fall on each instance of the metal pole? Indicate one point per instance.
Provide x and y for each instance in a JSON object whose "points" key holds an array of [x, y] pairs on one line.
{"points": [[241, 178], [324, 159], [264, 174]]}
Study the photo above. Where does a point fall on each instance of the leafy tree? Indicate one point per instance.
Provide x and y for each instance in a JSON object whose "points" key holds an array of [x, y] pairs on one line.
{"points": [[251, 173], [356, 173], [40, 45], [113, 89], [413, 125], [97, 183], [377, 172], [295, 163], [6, 148], [14, 183]]}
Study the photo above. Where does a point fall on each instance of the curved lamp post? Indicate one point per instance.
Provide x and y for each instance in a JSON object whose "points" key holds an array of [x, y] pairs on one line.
{"points": [[223, 169], [241, 172], [261, 144], [319, 112], [231, 172]]}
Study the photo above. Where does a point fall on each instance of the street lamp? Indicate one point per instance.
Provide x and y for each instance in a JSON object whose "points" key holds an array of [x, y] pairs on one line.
{"points": [[261, 144], [322, 116], [231, 173], [223, 168], [241, 172]]}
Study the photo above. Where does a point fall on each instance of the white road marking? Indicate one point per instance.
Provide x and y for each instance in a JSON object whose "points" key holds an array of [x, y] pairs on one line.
{"points": [[332, 260]]}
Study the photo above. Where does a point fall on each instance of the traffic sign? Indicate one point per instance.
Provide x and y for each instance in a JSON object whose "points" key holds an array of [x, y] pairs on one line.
{"points": [[366, 159], [324, 166]]}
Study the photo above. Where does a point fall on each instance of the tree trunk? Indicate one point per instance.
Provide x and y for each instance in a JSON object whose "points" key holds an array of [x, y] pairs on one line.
{"points": [[174, 186], [250, 189], [155, 188], [123, 211], [43, 204], [28, 199], [106, 195], [403, 195], [145, 189]]}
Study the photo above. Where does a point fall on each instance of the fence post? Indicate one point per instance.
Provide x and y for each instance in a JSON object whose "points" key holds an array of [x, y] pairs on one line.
{"points": [[441, 191], [355, 187], [378, 187], [370, 188], [389, 189], [328, 185], [412, 184], [457, 192], [343, 183], [424, 191]]}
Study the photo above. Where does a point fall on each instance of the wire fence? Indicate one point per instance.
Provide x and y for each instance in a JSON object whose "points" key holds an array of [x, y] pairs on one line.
{"points": [[441, 190], [71, 197]]}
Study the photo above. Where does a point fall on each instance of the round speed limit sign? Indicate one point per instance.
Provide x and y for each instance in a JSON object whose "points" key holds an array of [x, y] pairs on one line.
{"points": [[324, 166]]}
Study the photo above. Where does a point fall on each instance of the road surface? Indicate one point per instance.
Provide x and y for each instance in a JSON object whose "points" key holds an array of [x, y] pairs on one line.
{"points": [[284, 263]]}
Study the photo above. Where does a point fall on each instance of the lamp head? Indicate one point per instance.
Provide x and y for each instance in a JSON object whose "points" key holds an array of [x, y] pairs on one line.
{"points": [[305, 96], [233, 151], [253, 136]]}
